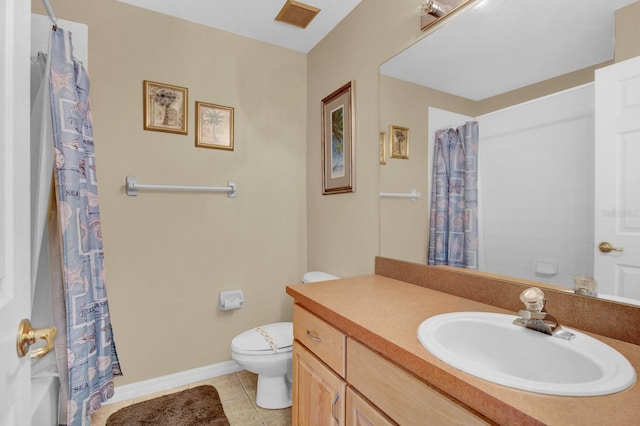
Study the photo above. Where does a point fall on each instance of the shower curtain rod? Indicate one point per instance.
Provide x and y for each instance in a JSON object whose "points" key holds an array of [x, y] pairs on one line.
{"points": [[50, 12]]}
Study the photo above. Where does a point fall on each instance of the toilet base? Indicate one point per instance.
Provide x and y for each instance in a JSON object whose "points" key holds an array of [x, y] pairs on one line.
{"points": [[274, 392]]}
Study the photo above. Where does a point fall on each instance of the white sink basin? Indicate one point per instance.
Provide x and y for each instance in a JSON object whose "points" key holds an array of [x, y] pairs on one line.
{"points": [[489, 346]]}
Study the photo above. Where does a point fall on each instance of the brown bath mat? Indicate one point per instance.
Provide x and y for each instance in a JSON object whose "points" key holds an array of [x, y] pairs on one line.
{"points": [[192, 407]]}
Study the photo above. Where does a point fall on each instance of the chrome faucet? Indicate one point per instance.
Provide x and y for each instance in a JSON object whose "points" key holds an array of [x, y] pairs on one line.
{"points": [[535, 318]]}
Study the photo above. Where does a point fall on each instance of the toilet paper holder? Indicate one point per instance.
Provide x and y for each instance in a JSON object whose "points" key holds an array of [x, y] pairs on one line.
{"points": [[230, 300]]}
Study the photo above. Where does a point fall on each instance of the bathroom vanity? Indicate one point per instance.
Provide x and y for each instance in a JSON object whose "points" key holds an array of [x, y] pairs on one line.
{"points": [[323, 390], [357, 359]]}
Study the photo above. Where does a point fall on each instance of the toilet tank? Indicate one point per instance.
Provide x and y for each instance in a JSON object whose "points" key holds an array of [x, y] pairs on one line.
{"points": [[314, 276]]}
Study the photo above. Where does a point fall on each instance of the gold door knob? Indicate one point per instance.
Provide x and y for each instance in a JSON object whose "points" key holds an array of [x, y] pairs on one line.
{"points": [[27, 336], [606, 247]]}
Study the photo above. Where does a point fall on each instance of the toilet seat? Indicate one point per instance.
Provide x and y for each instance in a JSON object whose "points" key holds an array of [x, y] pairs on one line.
{"points": [[265, 340]]}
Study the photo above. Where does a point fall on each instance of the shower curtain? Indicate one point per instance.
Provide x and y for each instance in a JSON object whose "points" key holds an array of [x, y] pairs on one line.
{"points": [[453, 224], [88, 354]]}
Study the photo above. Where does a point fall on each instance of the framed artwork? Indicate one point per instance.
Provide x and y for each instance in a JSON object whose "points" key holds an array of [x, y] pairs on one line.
{"points": [[337, 141], [383, 148], [399, 141], [214, 126], [165, 107]]}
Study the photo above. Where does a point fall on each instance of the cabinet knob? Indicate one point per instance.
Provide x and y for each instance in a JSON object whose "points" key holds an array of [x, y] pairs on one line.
{"points": [[313, 337]]}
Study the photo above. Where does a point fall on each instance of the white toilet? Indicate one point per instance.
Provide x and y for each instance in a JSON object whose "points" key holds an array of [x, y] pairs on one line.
{"points": [[266, 351]]}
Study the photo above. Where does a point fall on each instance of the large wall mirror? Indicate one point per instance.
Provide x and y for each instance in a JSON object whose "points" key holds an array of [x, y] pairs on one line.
{"points": [[525, 71]]}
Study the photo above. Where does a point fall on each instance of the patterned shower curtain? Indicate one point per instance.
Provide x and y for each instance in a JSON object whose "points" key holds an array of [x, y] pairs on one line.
{"points": [[453, 224], [92, 360]]}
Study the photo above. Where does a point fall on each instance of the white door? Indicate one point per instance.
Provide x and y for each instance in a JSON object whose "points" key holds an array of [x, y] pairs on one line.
{"points": [[617, 179], [15, 300]]}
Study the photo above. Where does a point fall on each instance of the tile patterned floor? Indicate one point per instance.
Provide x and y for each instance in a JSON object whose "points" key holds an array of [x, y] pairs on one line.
{"points": [[238, 395]]}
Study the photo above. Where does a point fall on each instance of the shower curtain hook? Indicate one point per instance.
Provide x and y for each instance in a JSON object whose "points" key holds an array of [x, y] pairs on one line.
{"points": [[51, 13]]}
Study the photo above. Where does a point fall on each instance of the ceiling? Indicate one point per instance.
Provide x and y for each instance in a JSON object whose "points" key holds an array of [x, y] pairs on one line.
{"points": [[256, 18], [495, 46]]}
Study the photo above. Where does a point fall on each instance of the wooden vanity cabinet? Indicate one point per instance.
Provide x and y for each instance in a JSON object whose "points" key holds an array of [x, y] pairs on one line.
{"points": [[326, 364], [318, 364]]}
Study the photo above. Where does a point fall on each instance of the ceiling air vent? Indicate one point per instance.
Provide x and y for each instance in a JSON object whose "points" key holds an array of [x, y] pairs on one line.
{"points": [[296, 13]]}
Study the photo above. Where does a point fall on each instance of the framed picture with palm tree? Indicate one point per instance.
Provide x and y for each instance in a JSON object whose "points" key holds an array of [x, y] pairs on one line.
{"points": [[214, 126], [165, 107], [337, 141], [399, 141]]}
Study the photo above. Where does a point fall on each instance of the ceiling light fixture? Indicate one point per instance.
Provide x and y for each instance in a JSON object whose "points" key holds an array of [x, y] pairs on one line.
{"points": [[432, 11], [434, 8]]}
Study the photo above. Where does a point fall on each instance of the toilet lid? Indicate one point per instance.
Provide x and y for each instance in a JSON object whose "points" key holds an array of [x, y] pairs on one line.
{"points": [[277, 337]]}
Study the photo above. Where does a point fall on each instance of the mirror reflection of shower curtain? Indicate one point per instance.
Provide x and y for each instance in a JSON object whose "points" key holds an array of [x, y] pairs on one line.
{"points": [[453, 215]]}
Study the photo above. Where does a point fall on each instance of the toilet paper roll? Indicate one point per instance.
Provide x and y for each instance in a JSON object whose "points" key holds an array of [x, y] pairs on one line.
{"points": [[230, 304]]}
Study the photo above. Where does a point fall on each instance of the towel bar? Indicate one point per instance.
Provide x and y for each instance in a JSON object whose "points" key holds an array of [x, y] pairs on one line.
{"points": [[132, 186], [414, 195]]}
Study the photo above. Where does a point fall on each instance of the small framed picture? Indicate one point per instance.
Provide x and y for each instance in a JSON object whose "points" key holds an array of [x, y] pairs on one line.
{"points": [[165, 107], [399, 141], [337, 141], [214, 126], [383, 148]]}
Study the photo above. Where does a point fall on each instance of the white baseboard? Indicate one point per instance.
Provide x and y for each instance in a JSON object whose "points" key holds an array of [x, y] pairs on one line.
{"points": [[159, 384]]}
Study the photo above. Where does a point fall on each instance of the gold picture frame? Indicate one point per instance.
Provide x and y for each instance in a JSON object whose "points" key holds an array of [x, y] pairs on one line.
{"points": [[337, 141], [165, 107], [399, 142], [383, 148], [214, 126]]}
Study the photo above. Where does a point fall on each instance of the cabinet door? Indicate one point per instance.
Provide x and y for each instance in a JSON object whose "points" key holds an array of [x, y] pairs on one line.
{"points": [[400, 395], [359, 412], [317, 393]]}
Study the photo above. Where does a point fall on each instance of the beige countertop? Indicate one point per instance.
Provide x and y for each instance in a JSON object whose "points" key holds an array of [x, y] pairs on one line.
{"points": [[385, 313]]}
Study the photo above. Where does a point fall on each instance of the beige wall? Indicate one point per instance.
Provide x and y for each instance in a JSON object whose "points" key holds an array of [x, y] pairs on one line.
{"points": [[343, 229], [169, 254], [628, 32]]}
